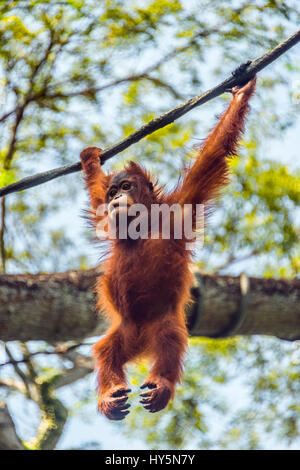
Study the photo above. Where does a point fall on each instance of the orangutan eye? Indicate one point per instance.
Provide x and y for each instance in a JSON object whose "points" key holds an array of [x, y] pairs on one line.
{"points": [[112, 192], [126, 186]]}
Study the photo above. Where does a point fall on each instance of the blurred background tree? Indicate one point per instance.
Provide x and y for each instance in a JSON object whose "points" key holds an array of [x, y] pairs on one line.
{"points": [[79, 73]]}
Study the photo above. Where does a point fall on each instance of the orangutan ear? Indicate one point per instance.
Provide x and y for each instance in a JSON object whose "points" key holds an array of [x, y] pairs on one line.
{"points": [[151, 186]]}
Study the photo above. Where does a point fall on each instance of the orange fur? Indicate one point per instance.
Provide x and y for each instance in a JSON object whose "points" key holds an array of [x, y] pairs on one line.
{"points": [[147, 283]]}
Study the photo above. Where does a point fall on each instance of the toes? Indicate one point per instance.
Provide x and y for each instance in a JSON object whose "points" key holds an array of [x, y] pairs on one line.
{"points": [[156, 398], [148, 384], [118, 402], [120, 392], [149, 404], [117, 415], [122, 407], [154, 406], [116, 411], [145, 400], [148, 407], [147, 394], [125, 407], [150, 400], [114, 404]]}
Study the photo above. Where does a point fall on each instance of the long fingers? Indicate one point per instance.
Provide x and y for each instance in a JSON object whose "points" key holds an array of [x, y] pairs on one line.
{"points": [[114, 404]]}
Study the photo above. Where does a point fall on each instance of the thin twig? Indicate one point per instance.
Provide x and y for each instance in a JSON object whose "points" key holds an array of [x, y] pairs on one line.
{"points": [[58, 351], [162, 120], [18, 371], [92, 90]]}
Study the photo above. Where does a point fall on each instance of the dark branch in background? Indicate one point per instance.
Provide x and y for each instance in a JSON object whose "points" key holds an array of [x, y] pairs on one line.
{"points": [[18, 371], [162, 120], [60, 351]]}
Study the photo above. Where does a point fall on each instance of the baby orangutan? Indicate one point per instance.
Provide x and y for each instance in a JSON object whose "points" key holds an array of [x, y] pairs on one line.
{"points": [[147, 281]]}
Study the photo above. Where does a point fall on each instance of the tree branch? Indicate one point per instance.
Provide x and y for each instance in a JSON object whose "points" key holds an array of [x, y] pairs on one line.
{"points": [[17, 386], [82, 366], [162, 120], [53, 419], [59, 351], [13, 384], [61, 307]]}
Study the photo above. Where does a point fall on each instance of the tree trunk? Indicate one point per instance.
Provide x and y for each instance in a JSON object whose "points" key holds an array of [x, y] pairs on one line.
{"points": [[60, 307]]}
